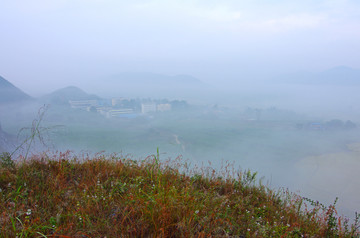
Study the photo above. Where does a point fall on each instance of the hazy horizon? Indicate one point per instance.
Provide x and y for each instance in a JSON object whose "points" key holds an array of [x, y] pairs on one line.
{"points": [[50, 45]]}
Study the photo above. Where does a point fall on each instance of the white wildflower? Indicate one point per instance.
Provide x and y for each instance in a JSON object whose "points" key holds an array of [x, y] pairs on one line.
{"points": [[28, 212]]}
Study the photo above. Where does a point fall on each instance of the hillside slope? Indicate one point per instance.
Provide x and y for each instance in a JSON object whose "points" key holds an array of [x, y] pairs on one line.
{"points": [[9, 93], [62, 96], [119, 197]]}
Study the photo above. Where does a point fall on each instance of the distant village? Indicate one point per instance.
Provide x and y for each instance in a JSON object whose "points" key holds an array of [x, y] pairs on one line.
{"points": [[127, 108], [133, 108]]}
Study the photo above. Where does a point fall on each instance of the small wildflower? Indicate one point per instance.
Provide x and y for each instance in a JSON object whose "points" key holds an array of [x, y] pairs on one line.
{"points": [[197, 211], [28, 212]]}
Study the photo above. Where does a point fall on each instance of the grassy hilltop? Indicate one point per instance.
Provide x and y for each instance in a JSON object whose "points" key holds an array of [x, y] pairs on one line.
{"points": [[109, 196]]}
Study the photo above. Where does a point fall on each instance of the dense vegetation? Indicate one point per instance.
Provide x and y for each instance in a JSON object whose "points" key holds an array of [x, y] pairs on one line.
{"points": [[64, 195]]}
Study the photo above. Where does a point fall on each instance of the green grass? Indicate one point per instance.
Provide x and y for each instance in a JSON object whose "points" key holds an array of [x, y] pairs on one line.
{"points": [[63, 195]]}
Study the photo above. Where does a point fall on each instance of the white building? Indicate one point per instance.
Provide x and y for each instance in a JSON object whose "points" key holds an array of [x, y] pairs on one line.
{"points": [[163, 107], [103, 110], [119, 112], [148, 107], [116, 101], [83, 104]]}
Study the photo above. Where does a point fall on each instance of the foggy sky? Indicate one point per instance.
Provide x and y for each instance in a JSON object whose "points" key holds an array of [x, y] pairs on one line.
{"points": [[46, 45]]}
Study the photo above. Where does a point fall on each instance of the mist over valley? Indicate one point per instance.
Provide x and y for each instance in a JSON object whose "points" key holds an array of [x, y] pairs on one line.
{"points": [[297, 137]]}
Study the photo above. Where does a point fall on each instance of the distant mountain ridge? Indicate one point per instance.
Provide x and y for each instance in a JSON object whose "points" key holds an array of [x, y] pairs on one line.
{"points": [[9, 93], [150, 84], [64, 95], [156, 80], [341, 75]]}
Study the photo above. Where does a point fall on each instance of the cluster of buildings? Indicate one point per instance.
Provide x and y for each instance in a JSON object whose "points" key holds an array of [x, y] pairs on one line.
{"points": [[115, 108]]}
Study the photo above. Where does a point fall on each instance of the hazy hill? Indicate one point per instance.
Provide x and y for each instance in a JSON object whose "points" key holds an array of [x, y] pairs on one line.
{"points": [[2, 140], [338, 76], [341, 76], [9, 93], [6, 141], [156, 80], [148, 84], [62, 96]]}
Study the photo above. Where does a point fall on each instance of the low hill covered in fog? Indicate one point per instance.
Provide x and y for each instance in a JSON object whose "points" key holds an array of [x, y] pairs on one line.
{"points": [[147, 85], [9, 93], [64, 95]]}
